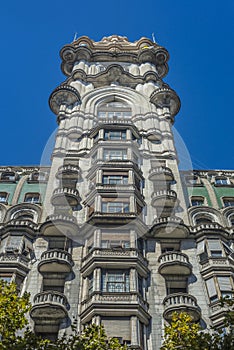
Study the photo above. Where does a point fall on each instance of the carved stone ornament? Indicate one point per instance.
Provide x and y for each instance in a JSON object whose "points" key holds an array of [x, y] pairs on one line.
{"points": [[63, 95]]}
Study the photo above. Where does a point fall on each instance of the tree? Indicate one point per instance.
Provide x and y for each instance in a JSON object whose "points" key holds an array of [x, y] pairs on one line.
{"points": [[13, 310], [93, 337], [182, 333], [185, 334]]}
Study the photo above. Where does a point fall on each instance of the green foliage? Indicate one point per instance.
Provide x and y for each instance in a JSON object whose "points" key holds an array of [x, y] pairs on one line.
{"points": [[93, 337], [13, 309], [184, 334]]}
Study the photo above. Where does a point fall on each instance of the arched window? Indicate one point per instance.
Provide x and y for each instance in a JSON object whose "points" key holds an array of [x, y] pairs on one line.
{"points": [[203, 220], [231, 219], [114, 110], [24, 215]]}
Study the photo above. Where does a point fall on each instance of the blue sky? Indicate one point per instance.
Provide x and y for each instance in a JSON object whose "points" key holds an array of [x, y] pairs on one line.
{"points": [[199, 36]]}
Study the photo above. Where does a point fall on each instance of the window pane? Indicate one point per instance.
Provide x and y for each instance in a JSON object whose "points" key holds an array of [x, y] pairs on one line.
{"points": [[211, 287], [224, 283]]}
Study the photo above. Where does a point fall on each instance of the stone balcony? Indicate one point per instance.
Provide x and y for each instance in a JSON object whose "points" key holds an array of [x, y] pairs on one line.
{"points": [[174, 263], [12, 262], [55, 261], [114, 304], [164, 199], [161, 174], [167, 227], [68, 172], [111, 218], [59, 224], [49, 305], [219, 312], [22, 225], [63, 95], [209, 264], [212, 227], [63, 196], [124, 257], [181, 302]]}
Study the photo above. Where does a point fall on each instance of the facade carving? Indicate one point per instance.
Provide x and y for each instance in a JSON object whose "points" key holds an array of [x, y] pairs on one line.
{"points": [[113, 232]]}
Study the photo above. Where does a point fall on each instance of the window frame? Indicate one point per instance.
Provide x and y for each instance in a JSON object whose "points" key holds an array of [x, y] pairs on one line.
{"points": [[112, 154], [115, 281], [6, 197], [229, 200], [215, 286], [32, 201], [200, 200], [107, 207], [109, 179], [221, 181], [109, 134]]}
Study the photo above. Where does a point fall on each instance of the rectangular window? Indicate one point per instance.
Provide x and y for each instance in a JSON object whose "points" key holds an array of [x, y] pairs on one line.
{"points": [[176, 286], [115, 154], [115, 281], [215, 248], [114, 180], [115, 244], [195, 202], [225, 286], [115, 207], [115, 135], [90, 283], [32, 198], [210, 284], [221, 181], [6, 277], [3, 197], [229, 202]]}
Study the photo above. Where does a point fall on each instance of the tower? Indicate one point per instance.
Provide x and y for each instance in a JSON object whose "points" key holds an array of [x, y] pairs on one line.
{"points": [[115, 242]]}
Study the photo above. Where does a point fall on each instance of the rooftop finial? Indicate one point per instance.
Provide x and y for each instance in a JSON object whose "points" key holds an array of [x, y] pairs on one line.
{"points": [[153, 37], [75, 37]]}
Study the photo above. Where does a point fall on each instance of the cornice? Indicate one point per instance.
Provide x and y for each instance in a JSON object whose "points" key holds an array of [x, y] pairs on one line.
{"points": [[114, 73], [114, 48]]}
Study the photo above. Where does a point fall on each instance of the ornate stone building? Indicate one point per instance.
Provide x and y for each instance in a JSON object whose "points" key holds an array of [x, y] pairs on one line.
{"points": [[113, 232]]}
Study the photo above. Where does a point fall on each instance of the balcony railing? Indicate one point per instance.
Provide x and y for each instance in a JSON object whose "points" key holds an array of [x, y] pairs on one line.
{"points": [[164, 198], [58, 225], [26, 223], [212, 226], [55, 261], [174, 263], [65, 195], [114, 299], [180, 302], [121, 218], [61, 217], [49, 304], [13, 258], [161, 174], [120, 255], [68, 171], [169, 226]]}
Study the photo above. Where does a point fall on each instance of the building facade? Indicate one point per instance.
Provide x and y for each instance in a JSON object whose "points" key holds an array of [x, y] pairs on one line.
{"points": [[113, 232]]}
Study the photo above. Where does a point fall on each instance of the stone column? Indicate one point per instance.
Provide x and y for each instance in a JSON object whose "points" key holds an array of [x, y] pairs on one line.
{"points": [[130, 177], [132, 204], [98, 280], [134, 331], [133, 280]]}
